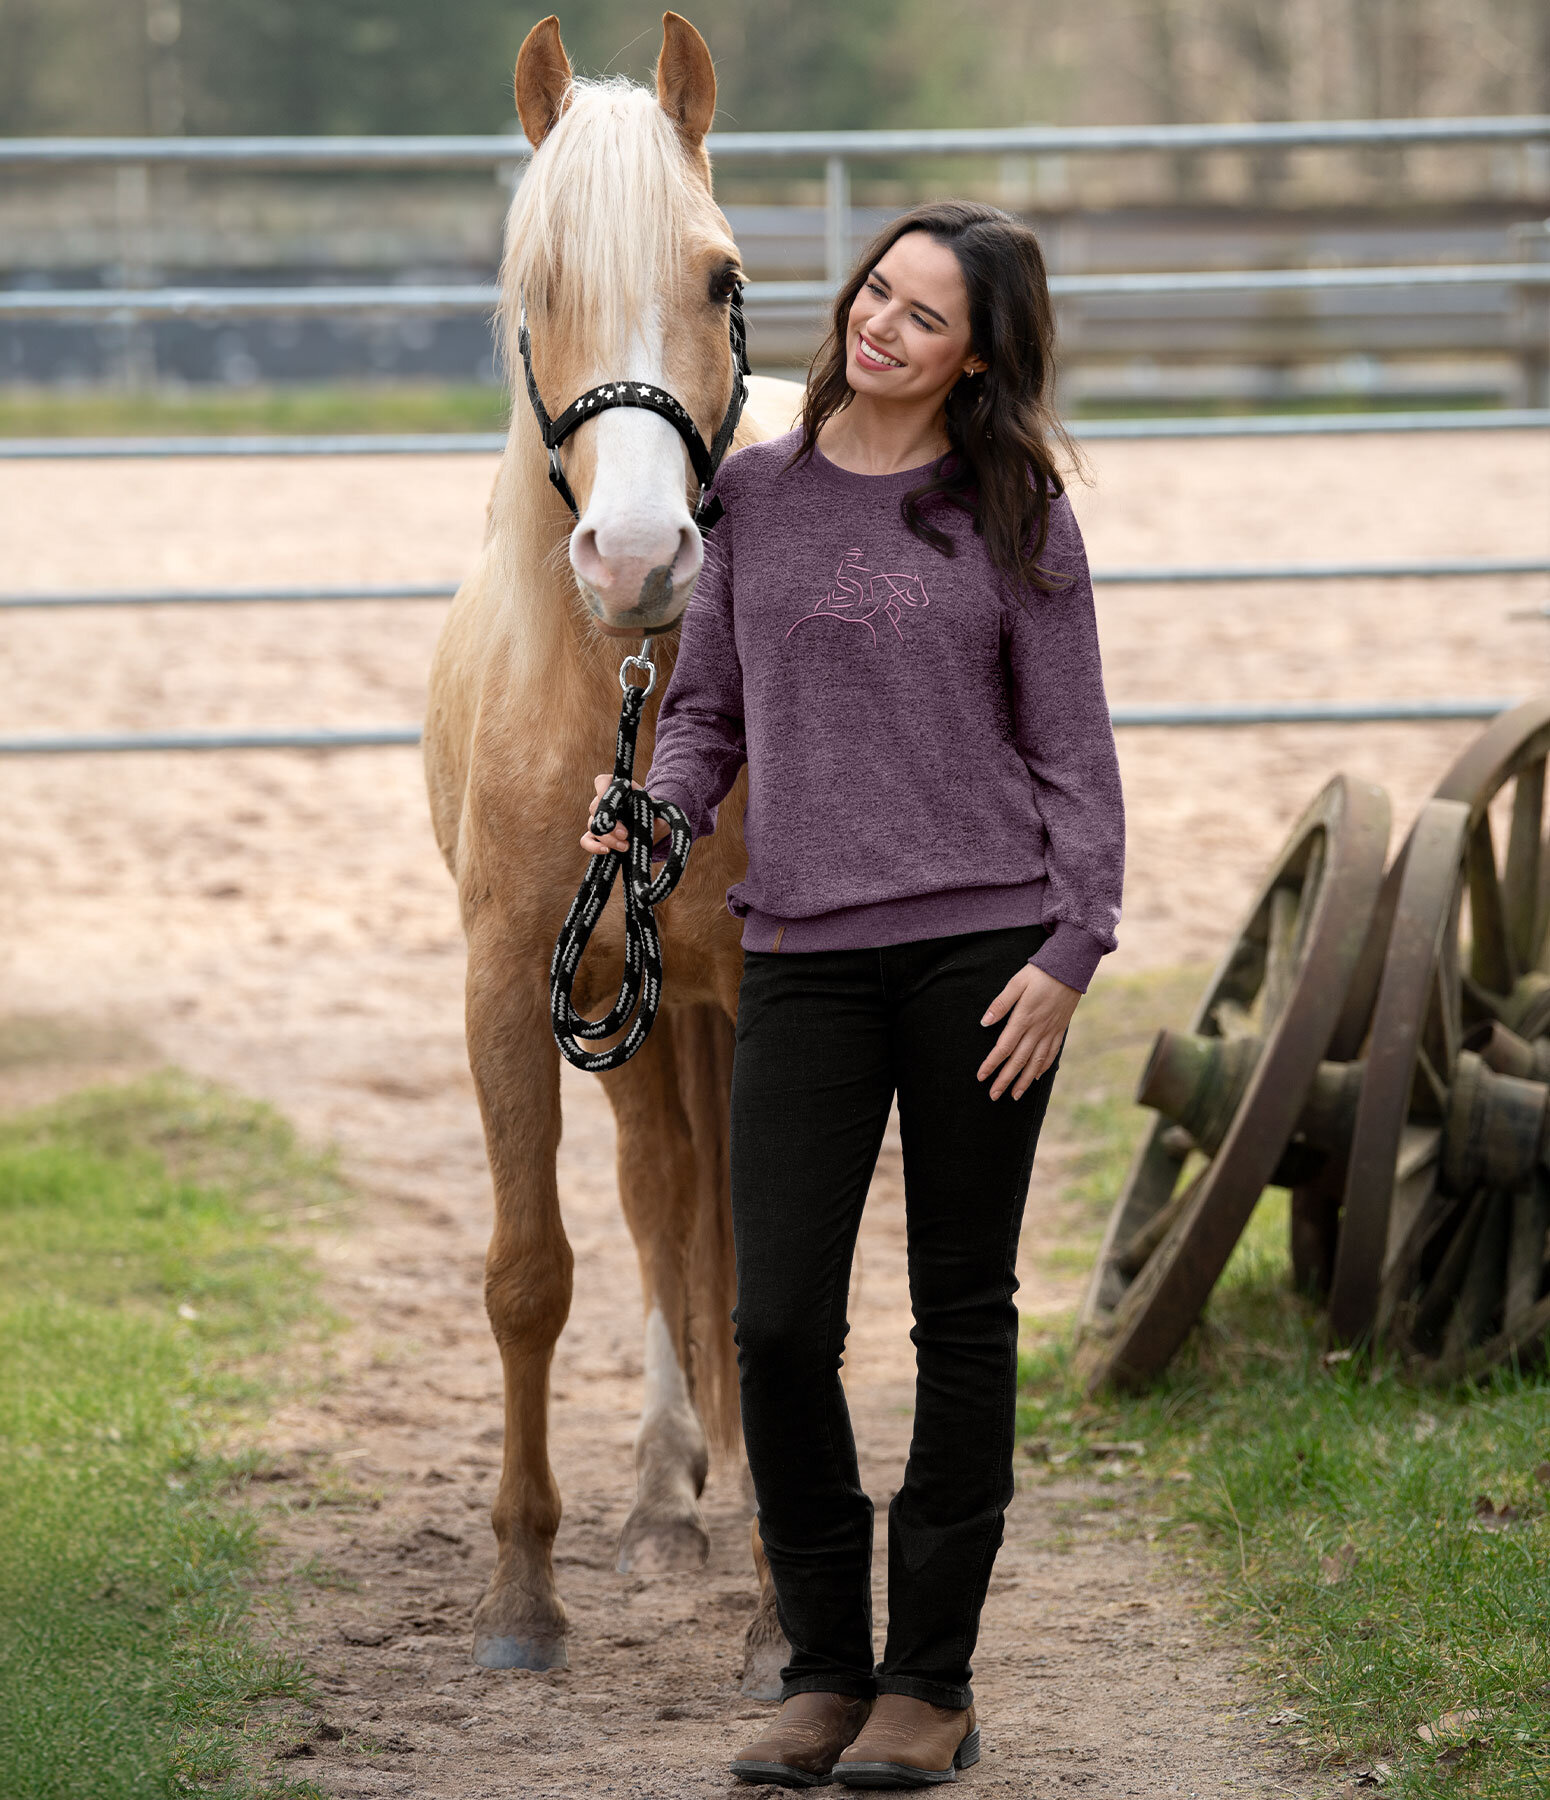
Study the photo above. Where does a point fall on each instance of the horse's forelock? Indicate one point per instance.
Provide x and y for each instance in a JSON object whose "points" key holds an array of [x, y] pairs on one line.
{"points": [[601, 219]]}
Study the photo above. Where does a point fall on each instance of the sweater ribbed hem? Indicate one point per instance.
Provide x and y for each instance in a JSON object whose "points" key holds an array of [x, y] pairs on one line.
{"points": [[906, 921], [1070, 953]]}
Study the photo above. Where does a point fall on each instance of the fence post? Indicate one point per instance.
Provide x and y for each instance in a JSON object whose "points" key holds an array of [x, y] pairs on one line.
{"points": [[1531, 321], [836, 219], [132, 217]]}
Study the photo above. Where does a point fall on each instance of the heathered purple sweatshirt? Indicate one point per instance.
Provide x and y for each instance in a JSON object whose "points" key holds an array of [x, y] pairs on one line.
{"points": [[928, 752]]}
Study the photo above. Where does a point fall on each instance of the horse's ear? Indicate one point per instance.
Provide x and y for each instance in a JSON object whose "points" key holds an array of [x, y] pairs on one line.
{"points": [[543, 80], [686, 78]]}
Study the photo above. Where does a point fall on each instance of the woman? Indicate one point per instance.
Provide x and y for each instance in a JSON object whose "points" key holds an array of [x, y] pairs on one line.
{"points": [[896, 634]]}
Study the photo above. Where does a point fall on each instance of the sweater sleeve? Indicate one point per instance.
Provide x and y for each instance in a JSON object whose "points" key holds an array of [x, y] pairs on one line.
{"points": [[700, 741], [1061, 720]]}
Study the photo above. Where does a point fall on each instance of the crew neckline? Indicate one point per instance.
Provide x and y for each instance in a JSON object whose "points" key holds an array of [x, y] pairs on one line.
{"points": [[894, 475]]}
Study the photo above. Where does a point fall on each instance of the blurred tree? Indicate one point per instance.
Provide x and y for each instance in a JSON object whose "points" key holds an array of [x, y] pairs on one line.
{"points": [[348, 65], [412, 66]]}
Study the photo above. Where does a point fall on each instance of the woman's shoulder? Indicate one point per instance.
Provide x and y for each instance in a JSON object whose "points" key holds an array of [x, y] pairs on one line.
{"points": [[758, 465]]}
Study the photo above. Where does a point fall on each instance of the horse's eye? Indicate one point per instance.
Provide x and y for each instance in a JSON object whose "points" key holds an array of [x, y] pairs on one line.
{"points": [[725, 285]]}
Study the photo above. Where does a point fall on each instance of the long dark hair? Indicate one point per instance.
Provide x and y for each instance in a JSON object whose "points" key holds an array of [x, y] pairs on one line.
{"points": [[1001, 424]]}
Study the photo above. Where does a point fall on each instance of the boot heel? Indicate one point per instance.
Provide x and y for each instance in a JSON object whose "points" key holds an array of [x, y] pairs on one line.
{"points": [[968, 1752]]}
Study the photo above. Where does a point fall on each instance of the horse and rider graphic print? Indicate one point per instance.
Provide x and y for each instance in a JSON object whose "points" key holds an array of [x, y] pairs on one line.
{"points": [[860, 597]]}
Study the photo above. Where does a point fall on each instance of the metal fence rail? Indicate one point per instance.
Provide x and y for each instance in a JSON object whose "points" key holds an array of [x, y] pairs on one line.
{"points": [[488, 443], [478, 297], [1355, 712], [1184, 576], [489, 150]]}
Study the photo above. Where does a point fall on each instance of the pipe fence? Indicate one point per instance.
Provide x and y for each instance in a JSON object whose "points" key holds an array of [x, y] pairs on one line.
{"points": [[491, 443], [1179, 576], [124, 305], [1295, 712], [836, 151]]}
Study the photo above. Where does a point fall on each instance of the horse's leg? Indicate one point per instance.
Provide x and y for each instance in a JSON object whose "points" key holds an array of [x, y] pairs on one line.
{"points": [[520, 1622], [702, 1041], [765, 1650], [657, 1189]]}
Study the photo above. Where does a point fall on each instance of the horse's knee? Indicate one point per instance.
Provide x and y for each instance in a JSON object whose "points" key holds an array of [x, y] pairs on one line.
{"points": [[528, 1297]]}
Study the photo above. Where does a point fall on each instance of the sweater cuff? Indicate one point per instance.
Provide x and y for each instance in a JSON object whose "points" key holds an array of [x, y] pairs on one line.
{"points": [[702, 819], [1070, 954]]}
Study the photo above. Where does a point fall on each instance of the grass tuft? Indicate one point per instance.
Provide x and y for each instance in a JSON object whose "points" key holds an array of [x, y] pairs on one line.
{"points": [[136, 1281], [180, 410]]}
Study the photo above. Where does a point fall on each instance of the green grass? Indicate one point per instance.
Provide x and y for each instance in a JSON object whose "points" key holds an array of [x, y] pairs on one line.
{"points": [[180, 410], [141, 1283], [1131, 407], [1334, 1506], [302, 407]]}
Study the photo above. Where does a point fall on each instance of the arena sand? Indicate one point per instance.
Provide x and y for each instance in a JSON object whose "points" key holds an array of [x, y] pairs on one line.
{"points": [[282, 922]]}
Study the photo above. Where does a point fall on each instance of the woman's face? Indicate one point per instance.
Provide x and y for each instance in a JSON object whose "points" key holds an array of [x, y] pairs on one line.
{"points": [[908, 334]]}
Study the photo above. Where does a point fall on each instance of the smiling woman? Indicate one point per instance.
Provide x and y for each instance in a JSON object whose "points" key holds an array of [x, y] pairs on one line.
{"points": [[948, 313], [896, 638]]}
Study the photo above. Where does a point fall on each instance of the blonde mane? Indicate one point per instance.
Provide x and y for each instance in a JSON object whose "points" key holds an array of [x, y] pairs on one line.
{"points": [[600, 222]]}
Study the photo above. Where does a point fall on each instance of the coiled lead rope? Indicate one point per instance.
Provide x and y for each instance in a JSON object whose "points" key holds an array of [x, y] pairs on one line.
{"points": [[640, 990]]}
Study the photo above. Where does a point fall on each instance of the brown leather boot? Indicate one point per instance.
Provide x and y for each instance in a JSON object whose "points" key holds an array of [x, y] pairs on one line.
{"points": [[910, 1743], [800, 1744]]}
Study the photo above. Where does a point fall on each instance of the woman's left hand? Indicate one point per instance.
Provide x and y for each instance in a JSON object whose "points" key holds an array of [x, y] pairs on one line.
{"points": [[1037, 1009]]}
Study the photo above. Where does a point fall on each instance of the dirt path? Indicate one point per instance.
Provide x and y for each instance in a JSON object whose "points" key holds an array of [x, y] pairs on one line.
{"points": [[282, 922]]}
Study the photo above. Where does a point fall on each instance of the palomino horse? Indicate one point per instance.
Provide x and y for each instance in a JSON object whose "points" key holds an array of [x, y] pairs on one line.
{"points": [[628, 268]]}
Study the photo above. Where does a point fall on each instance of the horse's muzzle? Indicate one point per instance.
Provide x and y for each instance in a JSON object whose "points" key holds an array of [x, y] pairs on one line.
{"points": [[659, 607]]}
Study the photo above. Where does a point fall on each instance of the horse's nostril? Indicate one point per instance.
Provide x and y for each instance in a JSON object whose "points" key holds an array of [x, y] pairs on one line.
{"points": [[587, 561]]}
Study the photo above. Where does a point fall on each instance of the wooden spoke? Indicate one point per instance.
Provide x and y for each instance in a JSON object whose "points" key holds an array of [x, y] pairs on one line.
{"points": [[1448, 1005], [1542, 917], [1436, 1306], [1491, 959], [1526, 1251], [1280, 957], [1431, 1085], [1312, 887], [1480, 1293], [1419, 1148], [1130, 1259], [1483, 1004], [1233, 1020], [1521, 879]]}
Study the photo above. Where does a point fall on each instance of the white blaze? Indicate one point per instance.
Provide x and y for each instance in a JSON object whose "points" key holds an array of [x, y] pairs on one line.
{"points": [[637, 514]]}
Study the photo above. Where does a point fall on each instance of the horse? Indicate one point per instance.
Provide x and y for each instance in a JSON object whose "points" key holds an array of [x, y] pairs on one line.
{"points": [[626, 268]]}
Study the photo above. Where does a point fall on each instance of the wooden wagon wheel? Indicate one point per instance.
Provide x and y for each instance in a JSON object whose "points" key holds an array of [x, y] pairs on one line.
{"points": [[1231, 1090], [1509, 899], [1509, 973], [1447, 1190], [1389, 1180]]}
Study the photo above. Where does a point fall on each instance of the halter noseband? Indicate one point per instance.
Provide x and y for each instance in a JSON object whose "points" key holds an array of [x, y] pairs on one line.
{"points": [[651, 399]]}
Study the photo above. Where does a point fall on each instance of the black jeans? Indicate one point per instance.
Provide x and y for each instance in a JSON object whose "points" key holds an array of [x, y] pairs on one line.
{"points": [[824, 1038]]}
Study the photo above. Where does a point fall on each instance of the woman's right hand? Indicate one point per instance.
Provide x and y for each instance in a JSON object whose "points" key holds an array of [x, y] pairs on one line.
{"points": [[619, 838]]}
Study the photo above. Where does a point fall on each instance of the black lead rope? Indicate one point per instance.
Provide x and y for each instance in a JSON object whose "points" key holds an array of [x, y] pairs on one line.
{"points": [[642, 981]]}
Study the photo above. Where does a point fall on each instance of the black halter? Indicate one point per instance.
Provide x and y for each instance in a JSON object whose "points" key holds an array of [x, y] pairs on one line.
{"points": [[651, 399]]}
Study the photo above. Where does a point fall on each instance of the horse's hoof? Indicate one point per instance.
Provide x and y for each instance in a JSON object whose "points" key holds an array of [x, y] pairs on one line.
{"points": [[496, 1652], [662, 1546], [762, 1664]]}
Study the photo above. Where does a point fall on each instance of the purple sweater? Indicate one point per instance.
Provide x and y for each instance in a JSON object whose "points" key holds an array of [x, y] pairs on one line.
{"points": [[927, 752]]}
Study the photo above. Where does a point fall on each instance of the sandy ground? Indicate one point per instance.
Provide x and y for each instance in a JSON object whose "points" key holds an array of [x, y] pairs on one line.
{"points": [[281, 921]]}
